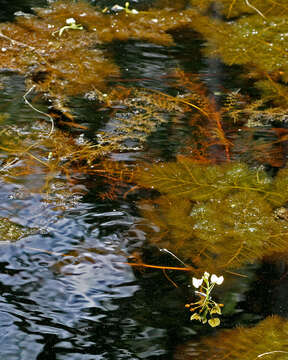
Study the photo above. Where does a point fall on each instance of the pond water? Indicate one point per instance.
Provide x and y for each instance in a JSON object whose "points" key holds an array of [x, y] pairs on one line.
{"points": [[66, 290]]}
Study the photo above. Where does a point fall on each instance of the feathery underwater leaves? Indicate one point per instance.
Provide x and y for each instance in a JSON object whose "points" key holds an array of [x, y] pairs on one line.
{"points": [[197, 182], [235, 8], [268, 337], [247, 229]]}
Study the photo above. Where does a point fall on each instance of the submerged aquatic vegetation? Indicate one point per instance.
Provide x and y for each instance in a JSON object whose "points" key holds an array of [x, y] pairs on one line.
{"points": [[235, 8], [253, 42], [10, 231], [198, 182], [31, 150], [187, 218], [266, 340], [73, 63]]}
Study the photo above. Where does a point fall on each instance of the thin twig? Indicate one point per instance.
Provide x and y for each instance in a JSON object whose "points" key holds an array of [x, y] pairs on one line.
{"points": [[159, 267], [170, 253], [8, 165], [39, 111], [254, 8], [169, 279], [16, 41], [272, 352], [32, 48]]}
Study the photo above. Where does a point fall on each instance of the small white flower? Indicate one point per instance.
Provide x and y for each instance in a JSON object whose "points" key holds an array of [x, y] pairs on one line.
{"points": [[197, 282], [217, 280], [206, 275], [70, 21], [117, 8]]}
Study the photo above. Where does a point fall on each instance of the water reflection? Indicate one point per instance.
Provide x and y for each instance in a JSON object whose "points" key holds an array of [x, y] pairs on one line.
{"points": [[8, 8], [86, 301]]}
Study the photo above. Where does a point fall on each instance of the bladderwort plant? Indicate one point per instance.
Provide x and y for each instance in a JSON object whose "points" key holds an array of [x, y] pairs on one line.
{"points": [[206, 307], [71, 25]]}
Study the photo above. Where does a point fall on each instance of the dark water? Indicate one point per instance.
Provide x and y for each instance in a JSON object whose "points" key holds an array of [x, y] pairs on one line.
{"points": [[91, 305]]}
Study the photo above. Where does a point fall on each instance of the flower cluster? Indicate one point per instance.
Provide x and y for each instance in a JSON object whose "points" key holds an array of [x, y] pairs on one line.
{"points": [[206, 306]]}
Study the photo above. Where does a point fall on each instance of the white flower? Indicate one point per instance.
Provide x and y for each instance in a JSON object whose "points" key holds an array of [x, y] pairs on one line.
{"points": [[206, 275], [117, 8], [197, 282], [217, 280], [70, 21]]}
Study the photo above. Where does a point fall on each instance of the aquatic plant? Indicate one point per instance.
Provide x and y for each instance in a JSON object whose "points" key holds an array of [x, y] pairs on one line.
{"points": [[58, 152], [187, 218], [236, 8], [71, 25], [75, 62], [193, 181], [266, 340], [72, 63], [206, 305], [10, 231]]}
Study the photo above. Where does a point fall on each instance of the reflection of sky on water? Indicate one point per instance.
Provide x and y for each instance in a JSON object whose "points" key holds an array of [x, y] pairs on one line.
{"points": [[82, 301]]}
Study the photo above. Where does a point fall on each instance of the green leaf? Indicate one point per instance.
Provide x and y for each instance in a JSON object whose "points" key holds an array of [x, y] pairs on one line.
{"points": [[215, 310], [214, 322], [196, 316]]}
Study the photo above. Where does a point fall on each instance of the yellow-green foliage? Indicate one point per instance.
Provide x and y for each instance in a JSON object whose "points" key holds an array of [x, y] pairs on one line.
{"points": [[256, 43], [250, 40], [266, 340], [217, 216], [186, 179]]}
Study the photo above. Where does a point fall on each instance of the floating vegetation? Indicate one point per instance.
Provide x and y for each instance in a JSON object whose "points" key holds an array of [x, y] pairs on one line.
{"points": [[266, 340], [187, 179], [64, 62], [252, 41], [62, 59]]}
